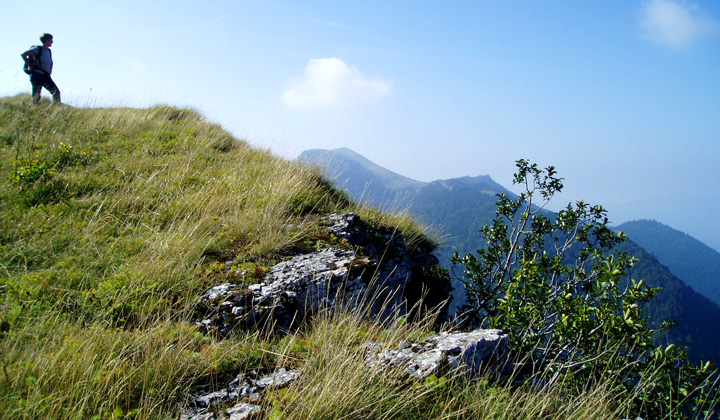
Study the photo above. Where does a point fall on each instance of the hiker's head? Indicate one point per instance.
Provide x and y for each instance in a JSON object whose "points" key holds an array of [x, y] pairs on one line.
{"points": [[46, 38]]}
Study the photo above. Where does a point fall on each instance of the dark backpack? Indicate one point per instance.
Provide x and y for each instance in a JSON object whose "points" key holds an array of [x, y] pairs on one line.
{"points": [[33, 61]]}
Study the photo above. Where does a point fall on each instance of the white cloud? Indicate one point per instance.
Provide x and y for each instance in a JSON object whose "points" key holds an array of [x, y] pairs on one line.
{"points": [[329, 82], [676, 24]]}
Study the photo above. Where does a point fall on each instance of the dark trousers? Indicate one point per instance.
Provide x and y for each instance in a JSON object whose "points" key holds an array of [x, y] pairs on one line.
{"points": [[41, 80]]}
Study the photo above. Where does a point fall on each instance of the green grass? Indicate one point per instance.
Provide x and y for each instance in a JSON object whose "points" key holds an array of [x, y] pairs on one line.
{"points": [[113, 222], [337, 384]]}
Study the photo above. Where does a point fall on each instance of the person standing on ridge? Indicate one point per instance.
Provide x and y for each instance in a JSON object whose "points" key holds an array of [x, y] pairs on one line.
{"points": [[42, 65]]}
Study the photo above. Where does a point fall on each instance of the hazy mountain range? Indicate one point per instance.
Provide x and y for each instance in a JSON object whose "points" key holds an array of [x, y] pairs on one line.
{"points": [[692, 261], [456, 209]]}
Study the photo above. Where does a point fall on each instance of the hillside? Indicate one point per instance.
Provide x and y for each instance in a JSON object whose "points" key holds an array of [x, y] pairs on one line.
{"points": [[113, 222], [457, 209], [698, 318], [117, 226], [693, 262]]}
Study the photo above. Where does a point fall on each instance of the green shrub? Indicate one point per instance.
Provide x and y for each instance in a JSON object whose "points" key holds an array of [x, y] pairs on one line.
{"points": [[552, 282]]}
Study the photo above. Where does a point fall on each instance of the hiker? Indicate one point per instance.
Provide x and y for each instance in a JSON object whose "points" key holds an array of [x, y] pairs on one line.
{"points": [[39, 58]]}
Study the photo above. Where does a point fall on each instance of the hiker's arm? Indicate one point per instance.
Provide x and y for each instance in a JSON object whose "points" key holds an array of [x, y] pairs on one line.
{"points": [[27, 54]]}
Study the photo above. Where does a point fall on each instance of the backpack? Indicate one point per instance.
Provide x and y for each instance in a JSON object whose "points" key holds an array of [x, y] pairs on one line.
{"points": [[33, 61]]}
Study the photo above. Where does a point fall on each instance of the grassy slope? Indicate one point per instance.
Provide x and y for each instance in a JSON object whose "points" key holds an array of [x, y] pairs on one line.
{"points": [[113, 221]]}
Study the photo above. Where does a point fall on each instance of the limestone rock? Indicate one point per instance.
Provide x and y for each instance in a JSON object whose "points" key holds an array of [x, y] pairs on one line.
{"points": [[378, 270], [191, 415], [246, 386], [466, 353], [292, 289], [242, 411]]}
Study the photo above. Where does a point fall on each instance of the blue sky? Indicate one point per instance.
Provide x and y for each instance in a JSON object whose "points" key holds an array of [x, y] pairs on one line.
{"points": [[622, 96]]}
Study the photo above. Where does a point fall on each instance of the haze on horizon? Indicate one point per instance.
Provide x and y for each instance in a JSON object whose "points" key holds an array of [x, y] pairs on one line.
{"points": [[622, 97]]}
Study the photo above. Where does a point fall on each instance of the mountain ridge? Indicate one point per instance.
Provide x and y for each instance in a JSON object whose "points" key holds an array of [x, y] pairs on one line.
{"points": [[382, 187], [694, 262], [456, 209], [377, 183]]}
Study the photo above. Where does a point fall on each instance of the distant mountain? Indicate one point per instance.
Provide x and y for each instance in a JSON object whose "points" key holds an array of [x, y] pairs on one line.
{"points": [[697, 316], [362, 179], [456, 209], [693, 262]]}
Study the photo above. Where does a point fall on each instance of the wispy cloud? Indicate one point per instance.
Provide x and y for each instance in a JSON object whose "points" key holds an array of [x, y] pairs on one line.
{"points": [[676, 24], [214, 20], [329, 82], [328, 23]]}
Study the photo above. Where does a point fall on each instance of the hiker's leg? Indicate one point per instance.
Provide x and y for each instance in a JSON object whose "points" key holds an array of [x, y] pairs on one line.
{"points": [[53, 89], [37, 84]]}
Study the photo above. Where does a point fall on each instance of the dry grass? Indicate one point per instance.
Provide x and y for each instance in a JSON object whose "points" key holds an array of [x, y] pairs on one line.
{"points": [[113, 221], [337, 383]]}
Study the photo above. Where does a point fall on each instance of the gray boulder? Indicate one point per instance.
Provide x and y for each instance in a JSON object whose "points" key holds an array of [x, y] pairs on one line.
{"points": [[291, 290], [465, 353], [247, 387], [379, 270], [242, 411]]}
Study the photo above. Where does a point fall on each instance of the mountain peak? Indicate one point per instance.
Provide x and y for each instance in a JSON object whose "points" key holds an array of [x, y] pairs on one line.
{"points": [[362, 177]]}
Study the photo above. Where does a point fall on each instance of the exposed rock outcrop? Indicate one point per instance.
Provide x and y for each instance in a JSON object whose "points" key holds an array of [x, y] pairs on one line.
{"points": [[237, 400], [458, 353], [466, 353], [377, 271], [371, 269]]}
